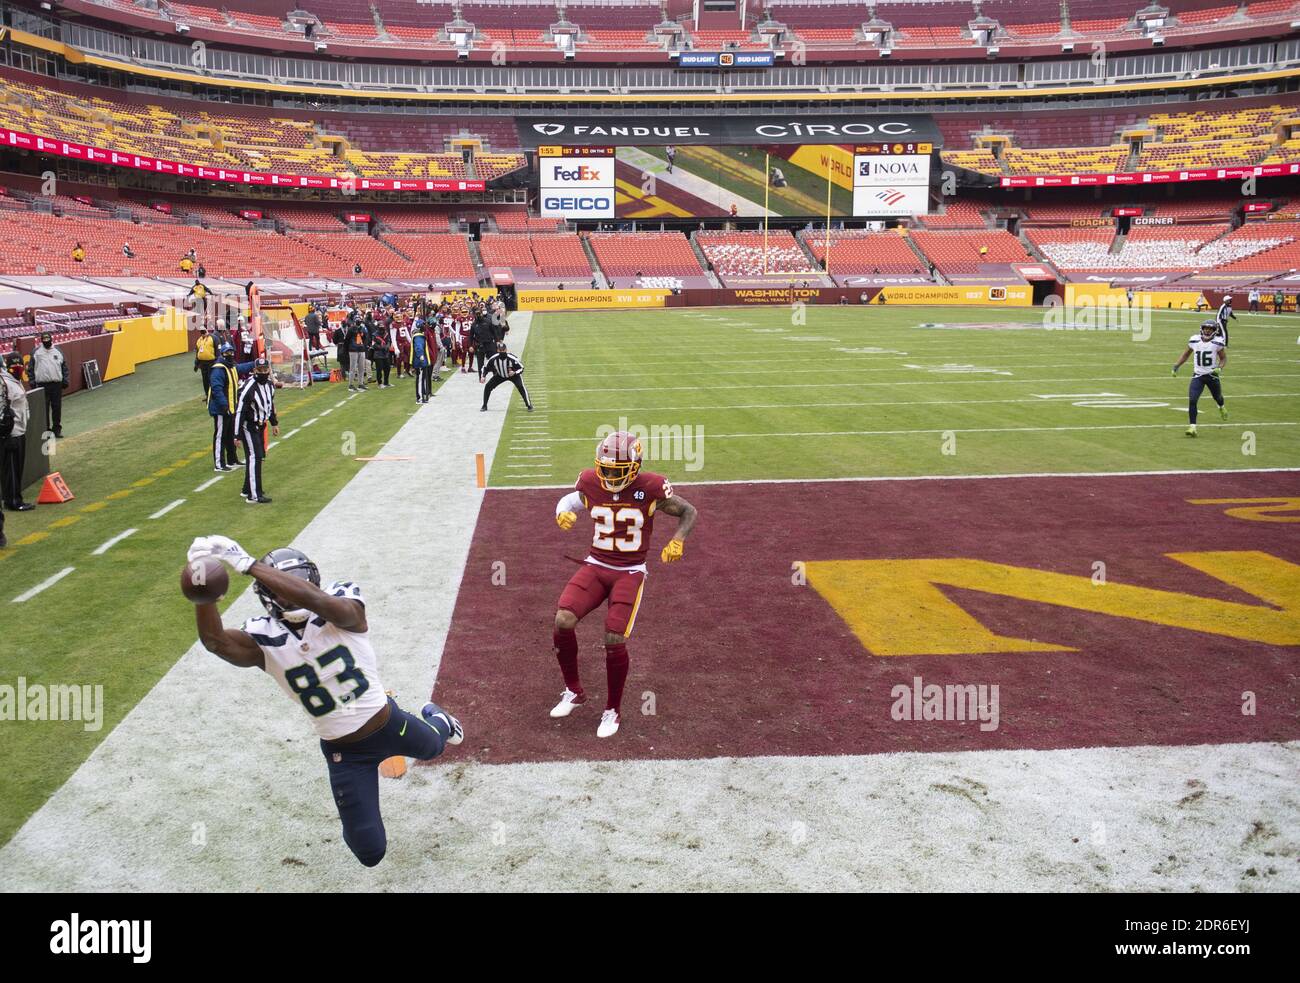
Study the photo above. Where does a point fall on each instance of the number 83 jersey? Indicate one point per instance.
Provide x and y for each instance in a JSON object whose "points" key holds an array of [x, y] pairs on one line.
{"points": [[332, 673], [622, 520]]}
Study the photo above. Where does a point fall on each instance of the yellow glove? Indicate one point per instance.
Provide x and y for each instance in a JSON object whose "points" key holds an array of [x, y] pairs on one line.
{"points": [[673, 551], [565, 520]]}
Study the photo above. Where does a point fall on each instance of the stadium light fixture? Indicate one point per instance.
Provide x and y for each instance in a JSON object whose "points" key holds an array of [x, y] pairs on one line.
{"points": [[46, 5], [1157, 41], [1067, 46], [886, 52], [992, 52], [321, 46], [182, 28]]}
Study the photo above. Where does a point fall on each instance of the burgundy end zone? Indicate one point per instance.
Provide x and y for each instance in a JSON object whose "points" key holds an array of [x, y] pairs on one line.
{"points": [[741, 662]]}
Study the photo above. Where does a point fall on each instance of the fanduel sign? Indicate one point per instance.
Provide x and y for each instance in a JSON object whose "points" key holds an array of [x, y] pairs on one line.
{"points": [[536, 131]]}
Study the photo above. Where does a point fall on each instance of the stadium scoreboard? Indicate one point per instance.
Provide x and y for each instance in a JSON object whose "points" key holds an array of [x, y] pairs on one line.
{"points": [[891, 179], [576, 182]]}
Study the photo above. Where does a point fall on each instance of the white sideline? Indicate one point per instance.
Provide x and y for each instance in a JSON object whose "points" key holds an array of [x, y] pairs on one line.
{"points": [[207, 736]]}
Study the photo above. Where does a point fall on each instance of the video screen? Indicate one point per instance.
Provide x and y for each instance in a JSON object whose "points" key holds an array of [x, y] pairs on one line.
{"points": [[745, 181]]}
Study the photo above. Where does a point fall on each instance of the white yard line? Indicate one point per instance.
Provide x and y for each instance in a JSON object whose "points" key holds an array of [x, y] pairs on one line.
{"points": [[944, 430], [209, 483], [802, 404], [46, 584], [104, 547], [290, 434], [167, 508], [962, 477], [935, 379]]}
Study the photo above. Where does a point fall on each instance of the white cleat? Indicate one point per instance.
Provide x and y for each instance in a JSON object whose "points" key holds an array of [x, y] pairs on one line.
{"points": [[608, 724], [569, 701]]}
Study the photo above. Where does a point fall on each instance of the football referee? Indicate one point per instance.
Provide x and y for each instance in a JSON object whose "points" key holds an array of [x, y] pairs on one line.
{"points": [[504, 367], [255, 408]]}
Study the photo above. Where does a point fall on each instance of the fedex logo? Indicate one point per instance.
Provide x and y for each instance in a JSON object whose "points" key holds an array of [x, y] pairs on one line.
{"points": [[581, 173]]}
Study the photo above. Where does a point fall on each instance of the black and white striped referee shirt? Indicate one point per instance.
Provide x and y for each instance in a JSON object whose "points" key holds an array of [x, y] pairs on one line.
{"points": [[502, 364], [255, 404]]}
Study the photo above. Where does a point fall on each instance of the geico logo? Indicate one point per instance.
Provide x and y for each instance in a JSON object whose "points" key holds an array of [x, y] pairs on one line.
{"points": [[576, 204], [580, 173], [896, 129]]}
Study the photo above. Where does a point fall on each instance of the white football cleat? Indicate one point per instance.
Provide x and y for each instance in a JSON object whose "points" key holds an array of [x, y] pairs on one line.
{"points": [[569, 701], [608, 724]]}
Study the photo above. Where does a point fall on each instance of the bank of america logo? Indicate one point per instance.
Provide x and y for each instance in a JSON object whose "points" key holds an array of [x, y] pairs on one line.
{"points": [[890, 196]]}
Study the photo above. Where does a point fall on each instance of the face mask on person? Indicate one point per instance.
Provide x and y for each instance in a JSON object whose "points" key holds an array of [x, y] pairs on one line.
{"points": [[47, 343]]}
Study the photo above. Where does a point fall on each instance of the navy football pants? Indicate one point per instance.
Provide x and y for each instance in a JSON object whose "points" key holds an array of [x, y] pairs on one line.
{"points": [[1199, 382], [354, 777]]}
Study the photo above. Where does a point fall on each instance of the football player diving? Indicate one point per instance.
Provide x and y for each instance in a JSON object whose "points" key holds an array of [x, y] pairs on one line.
{"points": [[316, 645]]}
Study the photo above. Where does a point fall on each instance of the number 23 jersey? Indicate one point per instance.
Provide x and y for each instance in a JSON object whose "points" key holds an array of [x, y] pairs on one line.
{"points": [[332, 673], [622, 520]]}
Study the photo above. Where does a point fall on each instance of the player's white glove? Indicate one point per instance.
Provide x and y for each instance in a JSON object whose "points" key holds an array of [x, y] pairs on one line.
{"points": [[221, 548]]}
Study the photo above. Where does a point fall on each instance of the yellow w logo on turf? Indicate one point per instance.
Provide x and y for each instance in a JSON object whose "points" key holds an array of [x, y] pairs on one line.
{"points": [[896, 607]]}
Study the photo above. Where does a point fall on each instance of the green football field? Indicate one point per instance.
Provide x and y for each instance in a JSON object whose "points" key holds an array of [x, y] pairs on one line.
{"points": [[746, 394], [728, 394]]}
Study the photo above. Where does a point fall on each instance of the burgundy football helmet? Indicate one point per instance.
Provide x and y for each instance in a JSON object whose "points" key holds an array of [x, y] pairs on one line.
{"points": [[618, 460]]}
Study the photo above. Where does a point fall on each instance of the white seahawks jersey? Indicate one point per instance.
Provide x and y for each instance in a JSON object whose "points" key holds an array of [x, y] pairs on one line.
{"points": [[1205, 354], [333, 673]]}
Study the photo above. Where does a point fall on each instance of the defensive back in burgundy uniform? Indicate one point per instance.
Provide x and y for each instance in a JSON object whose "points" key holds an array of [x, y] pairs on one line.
{"points": [[624, 519]]}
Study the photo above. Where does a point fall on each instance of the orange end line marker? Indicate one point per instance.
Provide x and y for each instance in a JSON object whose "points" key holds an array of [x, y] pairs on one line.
{"points": [[479, 471]]}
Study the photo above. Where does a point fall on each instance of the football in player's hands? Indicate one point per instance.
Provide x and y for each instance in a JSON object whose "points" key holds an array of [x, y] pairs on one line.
{"points": [[565, 520], [204, 580], [221, 548]]}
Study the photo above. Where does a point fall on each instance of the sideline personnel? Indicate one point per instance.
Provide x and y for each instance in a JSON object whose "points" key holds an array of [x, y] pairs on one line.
{"points": [[504, 367], [221, 407], [50, 372], [255, 409]]}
